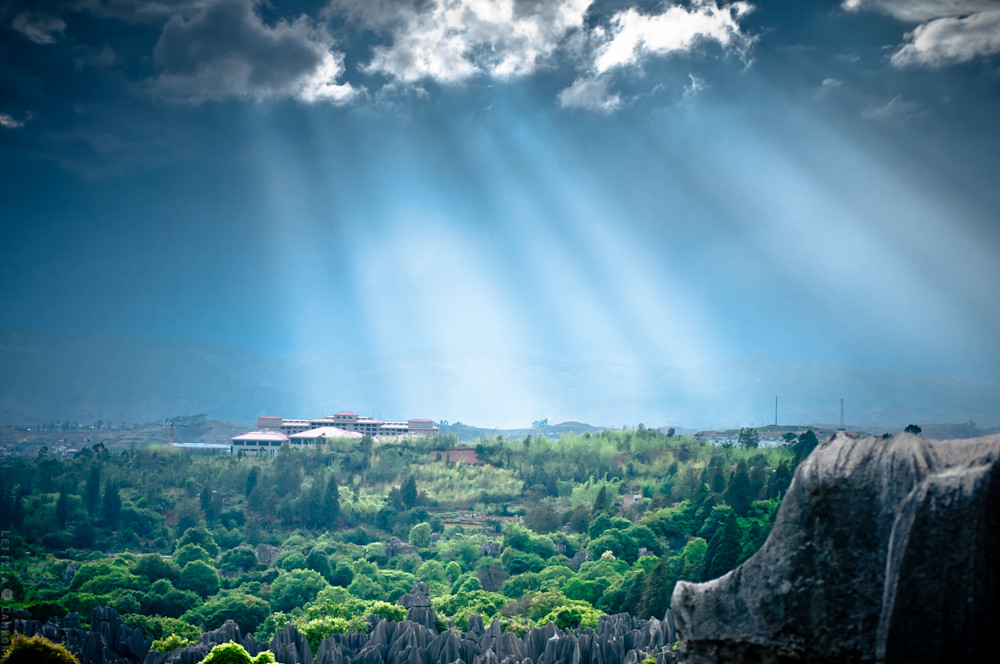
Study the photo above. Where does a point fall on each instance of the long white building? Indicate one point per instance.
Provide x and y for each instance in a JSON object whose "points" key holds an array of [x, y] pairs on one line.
{"points": [[274, 431]]}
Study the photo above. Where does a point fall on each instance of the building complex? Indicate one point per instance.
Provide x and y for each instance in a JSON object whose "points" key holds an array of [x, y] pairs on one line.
{"points": [[274, 431]]}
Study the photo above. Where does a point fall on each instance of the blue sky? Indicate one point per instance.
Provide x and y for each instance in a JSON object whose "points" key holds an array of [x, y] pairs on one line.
{"points": [[626, 181]]}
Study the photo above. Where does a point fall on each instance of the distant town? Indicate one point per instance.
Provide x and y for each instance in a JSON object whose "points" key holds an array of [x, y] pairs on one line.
{"points": [[273, 431]]}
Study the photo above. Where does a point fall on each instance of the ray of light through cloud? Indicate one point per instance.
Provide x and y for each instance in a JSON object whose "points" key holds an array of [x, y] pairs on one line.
{"points": [[483, 197]]}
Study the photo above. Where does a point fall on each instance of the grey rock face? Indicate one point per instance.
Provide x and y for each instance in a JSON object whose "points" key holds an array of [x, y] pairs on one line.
{"points": [[618, 640], [418, 606], [290, 647], [196, 652], [882, 551], [409, 642], [267, 553], [109, 640]]}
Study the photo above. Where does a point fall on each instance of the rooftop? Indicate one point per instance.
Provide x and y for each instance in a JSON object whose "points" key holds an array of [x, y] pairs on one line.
{"points": [[325, 432]]}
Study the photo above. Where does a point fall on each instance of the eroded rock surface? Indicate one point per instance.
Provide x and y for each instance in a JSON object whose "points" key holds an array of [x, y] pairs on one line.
{"points": [[197, 651], [882, 551], [618, 640], [109, 640]]}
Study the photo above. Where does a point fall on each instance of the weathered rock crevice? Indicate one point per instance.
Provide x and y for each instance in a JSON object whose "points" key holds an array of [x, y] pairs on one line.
{"points": [[882, 551]]}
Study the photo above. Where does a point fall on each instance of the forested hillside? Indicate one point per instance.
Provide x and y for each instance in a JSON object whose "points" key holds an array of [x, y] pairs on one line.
{"points": [[536, 531]]}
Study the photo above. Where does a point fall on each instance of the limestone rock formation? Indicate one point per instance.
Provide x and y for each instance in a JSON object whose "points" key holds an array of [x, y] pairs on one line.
{"points": [[617, 640], [882, 551], [109, 641], [197, 651], [418, 606], [290, 647]]}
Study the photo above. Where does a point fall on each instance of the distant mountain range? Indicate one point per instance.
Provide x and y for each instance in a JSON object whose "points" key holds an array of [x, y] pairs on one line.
{"points": [[50, 376]]}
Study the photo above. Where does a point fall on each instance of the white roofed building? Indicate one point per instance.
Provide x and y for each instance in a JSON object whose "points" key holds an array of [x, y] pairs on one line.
{"points": [[255, 441], [274, 430], [321, 434]]}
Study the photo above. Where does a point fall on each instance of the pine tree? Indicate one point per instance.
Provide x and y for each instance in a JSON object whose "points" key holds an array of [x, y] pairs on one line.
{"points": [[331, 502], [780, 480], [251, 481], [408, 492], [739, 494], [92, 490], [659, 587], [724, 549], [601, 502], [62, 509], [807, 443], [713, 475], [111, 505], [211, 503]]}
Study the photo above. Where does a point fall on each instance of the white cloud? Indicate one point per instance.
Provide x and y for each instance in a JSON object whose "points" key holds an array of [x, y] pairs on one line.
{"points": [[590, 94], [694, 87], [634, 36], [10, 122], [225, 50], [896, 109], [39, 28], [947, 41], [921, 10], [831, 83], [452, 40], [950, 31]]}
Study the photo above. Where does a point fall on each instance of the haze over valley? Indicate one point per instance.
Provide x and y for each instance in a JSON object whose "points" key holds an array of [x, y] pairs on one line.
{"points": [[118, 378]]}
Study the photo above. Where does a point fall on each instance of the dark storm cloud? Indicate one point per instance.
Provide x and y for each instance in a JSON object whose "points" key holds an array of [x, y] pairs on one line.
{"points": [[139, 11], [378, 14], [39, 28], [226, 50]]}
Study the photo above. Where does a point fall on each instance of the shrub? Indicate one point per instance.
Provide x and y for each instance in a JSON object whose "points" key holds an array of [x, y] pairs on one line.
{"points": [[37, 650], [155, 567], [388, 611], [200, 577], [202, 538], [296, 588], [160, 627], [234, 653], [190, 553], [242, 557], [171, 643], [247, 611]]}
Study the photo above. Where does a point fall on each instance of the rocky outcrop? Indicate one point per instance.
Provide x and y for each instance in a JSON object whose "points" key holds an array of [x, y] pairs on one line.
{"points": [[290, 647], [197, 651], [267, 553], [617, 640], [109, 640], [882, 551], [418, 606]]}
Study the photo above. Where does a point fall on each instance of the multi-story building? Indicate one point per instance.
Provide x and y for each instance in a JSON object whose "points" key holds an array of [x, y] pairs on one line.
{"points": [[273, 431]]}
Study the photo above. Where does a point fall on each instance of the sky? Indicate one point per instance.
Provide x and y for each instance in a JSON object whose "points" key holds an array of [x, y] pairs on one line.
{"points": [[653, 183]]}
